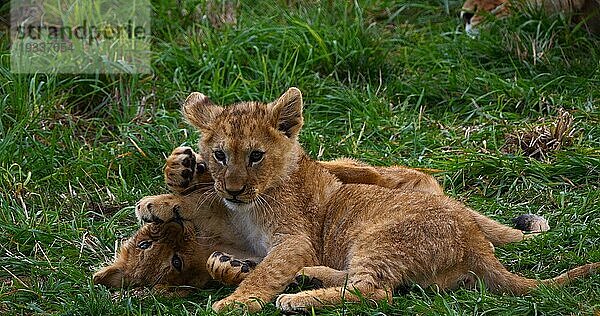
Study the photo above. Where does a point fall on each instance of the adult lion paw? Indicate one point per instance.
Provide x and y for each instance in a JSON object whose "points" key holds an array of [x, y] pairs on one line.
{"points": [[228, 270], [182, 169], [159, 209]]}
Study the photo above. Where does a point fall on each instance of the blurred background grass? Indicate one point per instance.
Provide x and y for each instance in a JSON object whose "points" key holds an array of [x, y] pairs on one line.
{"points": [[386, 82]]}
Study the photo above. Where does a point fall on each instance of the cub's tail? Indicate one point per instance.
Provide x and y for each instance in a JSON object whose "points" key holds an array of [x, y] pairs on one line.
{"points": [[500, 280], [581, 271]]}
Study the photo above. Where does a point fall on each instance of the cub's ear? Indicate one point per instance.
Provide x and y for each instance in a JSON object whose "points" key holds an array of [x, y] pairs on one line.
{"points": [[111, 276], [287, 112], [200, 111]]}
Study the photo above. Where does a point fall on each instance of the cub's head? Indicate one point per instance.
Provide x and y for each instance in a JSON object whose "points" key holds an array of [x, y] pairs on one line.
{"points": [[250, 147], [166, 254], [474, 11]]}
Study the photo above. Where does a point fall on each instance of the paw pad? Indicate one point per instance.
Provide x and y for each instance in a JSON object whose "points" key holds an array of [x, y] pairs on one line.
{"points": [[181, 167], [226, 269]]}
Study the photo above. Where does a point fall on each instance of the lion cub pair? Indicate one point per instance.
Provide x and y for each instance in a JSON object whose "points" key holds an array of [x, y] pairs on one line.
{"points": [[297, 216], [183, 229]]}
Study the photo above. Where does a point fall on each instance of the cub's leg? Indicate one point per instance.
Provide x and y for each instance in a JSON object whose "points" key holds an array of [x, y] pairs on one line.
{"points": [[226, 269], [351, 171], [357, 289], [317, 277], [392, 252], [271, 276], [321, 276], [185, 171]]}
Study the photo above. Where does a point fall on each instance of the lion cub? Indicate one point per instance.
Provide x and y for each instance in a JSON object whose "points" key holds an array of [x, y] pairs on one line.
{"points": [[294, 213], [170, 255]]}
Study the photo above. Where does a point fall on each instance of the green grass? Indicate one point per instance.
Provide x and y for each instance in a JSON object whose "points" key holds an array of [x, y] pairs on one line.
{"points": [[387, 82]]}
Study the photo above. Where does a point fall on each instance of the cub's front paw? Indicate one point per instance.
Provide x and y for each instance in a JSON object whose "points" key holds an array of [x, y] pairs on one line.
{"points": [[228, 270], [292, 302], [230, 303], [182, 168], [158, 209]]}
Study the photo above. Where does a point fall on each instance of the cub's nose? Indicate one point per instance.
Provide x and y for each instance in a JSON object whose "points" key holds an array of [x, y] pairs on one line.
{"points": [[233, 192], [466, 16]]}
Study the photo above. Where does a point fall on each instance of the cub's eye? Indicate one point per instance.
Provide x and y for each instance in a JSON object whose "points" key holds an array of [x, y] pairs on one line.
{"points": [[176, 262], [256, 156], [220, 156], [145, 244]]}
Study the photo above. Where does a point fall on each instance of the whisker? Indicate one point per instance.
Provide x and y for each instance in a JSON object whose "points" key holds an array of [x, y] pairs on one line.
{"points": [[265, 204], [272, 199], [197, 187], [162, 273], [208, 196]]}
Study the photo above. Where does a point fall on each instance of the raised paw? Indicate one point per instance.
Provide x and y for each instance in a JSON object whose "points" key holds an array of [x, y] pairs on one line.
{"points": [[531, 223], [159, 209], [182, 169], [228, 270]]}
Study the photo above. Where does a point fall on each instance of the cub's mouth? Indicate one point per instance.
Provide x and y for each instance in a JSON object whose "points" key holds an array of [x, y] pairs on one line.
{"points": [[240, 197], [236, 201]]}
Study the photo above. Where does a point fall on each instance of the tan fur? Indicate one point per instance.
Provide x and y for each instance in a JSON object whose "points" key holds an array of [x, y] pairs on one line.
{"points": [[185, 174], [396, 177], [586, 11], [207, 220], [153, 265], [294, 212]]}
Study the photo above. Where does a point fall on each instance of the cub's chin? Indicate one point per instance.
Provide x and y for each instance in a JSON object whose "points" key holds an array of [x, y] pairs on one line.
{"points": [[237, 206]]}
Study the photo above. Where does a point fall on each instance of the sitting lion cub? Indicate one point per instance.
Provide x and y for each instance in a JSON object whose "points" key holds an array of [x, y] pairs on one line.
{"points": [[361, 238], [178, 252]]}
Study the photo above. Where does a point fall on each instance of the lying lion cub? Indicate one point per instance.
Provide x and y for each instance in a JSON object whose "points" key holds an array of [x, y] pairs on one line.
{"points": [[175, 253], [585, 11], [360, 238]]}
